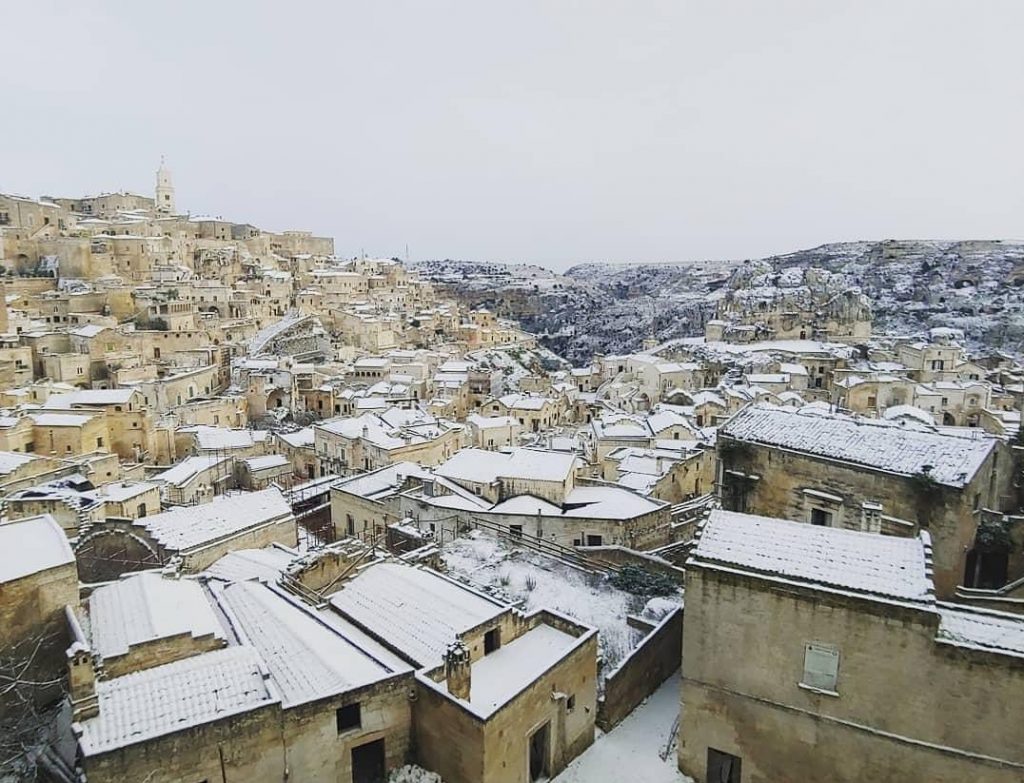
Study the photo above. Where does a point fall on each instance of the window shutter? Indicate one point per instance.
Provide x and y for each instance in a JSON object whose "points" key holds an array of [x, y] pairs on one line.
{"points": [[821, 666]]}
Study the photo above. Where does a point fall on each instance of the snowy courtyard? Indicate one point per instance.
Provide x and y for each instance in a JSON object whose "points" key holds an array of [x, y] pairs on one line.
{"points": [[641, 748], [532, 581]]}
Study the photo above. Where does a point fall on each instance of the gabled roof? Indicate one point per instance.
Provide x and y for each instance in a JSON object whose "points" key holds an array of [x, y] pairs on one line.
{"points": [[307, 659], [952, 460], [867, 564], [417, 611], [169, 698]]}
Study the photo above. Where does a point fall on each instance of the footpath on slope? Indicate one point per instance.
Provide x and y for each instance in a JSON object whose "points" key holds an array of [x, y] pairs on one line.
{"points": [[633, 750]]}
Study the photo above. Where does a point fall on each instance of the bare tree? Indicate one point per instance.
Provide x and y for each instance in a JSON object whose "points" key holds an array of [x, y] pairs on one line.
{"points": [[33, 692]]}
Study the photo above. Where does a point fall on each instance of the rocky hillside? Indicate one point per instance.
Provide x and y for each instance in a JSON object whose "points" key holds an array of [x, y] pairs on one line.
{"points": [[977, 286]]}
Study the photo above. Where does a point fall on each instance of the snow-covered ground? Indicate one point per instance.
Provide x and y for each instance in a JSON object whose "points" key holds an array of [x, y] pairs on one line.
{"points": [[533, 581], [410, 773], [641, 748]]}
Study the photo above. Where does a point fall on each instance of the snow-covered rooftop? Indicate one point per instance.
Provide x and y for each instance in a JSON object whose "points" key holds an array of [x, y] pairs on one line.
{"points": [[169, 698], [31, 545], [90, 397], [981, 629], [484, 467], [382, 482], [419, 612], [267, 462], [868, 564], [952, 459], [144, 607], [307, 659], [497, 678], [185, 471], [186, 527], [10, 461]]}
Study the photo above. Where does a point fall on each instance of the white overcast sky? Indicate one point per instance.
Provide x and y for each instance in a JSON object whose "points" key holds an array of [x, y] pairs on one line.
{"points": [[545, 131]]}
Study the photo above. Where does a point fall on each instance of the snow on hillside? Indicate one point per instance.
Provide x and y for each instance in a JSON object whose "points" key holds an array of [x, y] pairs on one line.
{"points": [[977, 286]]}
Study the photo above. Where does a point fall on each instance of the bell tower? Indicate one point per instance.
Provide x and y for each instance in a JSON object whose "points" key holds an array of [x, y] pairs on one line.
{"points": [[164, 190]]}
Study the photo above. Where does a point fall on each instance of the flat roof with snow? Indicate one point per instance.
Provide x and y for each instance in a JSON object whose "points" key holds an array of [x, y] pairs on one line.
{"points": [[866, 564], [31, 545], [498, 678], [952, 459]]}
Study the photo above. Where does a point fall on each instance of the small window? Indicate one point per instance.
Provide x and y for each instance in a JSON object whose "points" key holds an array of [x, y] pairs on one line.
{"points": [[821, 517], [349, 717], [516, 530], [723, 767], [492, 640], [570, 703], [594, 540], [821, 667]]}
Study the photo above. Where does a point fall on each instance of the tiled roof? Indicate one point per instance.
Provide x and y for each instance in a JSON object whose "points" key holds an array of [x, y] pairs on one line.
{"points": [[953, 459], [986, 630], [148, 606], [417, 611], [172, 697], [871, 564], [188, 526], [307, 659]]}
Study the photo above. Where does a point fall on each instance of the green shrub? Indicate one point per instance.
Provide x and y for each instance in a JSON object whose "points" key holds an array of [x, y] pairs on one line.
{"points": [[640, 581]]}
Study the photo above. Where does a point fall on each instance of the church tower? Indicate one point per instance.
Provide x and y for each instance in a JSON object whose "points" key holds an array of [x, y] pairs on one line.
{"points": [[164, 190]]}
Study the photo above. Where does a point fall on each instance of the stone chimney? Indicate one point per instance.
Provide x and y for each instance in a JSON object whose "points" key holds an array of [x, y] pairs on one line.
{"points": [[81, 671], [457, 670]]}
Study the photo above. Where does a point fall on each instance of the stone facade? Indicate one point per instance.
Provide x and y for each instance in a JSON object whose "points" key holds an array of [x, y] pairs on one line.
{"points": [[905, 707]]}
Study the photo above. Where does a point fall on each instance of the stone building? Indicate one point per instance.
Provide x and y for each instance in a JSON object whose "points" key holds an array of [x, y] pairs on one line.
{"points": [[375, 440], [271, 688], [38, 579], [500, 696], [189, 538], [863, 474], [821, 654]]}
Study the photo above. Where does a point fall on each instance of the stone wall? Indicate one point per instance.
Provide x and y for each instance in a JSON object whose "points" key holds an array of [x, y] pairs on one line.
{"points": [[157, 652], [905, 707], [639, 675], [246, 747], [317, 752], [282, 531], [464, 748], [948, 513]]}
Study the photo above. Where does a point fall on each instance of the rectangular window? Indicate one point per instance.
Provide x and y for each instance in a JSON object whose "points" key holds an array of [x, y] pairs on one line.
{"points": [[821, 517], [871, 517], [570, 703], [723, 767], [349, 717], [821, 667], [594, 540], [516, 530]]}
